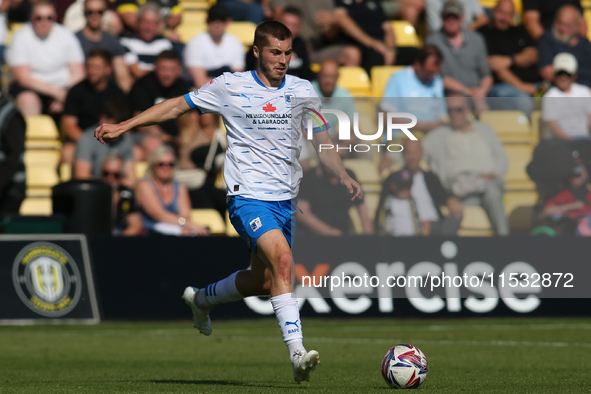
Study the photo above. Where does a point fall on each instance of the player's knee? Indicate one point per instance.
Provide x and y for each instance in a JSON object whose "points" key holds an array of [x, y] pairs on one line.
{"points": [[283, 266]]}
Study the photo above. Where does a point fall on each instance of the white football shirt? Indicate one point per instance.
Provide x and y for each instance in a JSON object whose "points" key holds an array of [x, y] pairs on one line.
{"points": [[264, 131]]}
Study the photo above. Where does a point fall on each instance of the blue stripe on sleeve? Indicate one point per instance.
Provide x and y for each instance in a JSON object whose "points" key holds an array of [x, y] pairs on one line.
{"points": [[191, 103]]}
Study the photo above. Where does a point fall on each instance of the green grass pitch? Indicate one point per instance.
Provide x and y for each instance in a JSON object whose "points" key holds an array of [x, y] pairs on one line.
{"points": [[517, 355]]}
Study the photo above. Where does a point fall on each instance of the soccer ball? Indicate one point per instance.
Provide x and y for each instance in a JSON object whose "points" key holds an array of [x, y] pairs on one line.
{"points": [[404, 367]]}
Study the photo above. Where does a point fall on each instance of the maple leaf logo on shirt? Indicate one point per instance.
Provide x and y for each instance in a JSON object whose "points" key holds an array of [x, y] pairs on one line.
{"points": [[269, 108]]}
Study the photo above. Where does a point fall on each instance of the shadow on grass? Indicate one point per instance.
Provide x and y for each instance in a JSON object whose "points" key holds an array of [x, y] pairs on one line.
{"points": [[225, 383]]}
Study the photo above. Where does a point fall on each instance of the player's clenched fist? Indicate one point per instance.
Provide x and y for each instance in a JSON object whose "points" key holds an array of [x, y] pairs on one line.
{"points": [[108, 132]]}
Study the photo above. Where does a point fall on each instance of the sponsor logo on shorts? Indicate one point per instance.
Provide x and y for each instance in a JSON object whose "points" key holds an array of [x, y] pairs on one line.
{"points": [[255, 224], [47, 279]]}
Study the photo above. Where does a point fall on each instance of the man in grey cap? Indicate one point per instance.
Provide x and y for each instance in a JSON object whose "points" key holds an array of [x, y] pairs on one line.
{"points": [[474, 15], [465, 67]]}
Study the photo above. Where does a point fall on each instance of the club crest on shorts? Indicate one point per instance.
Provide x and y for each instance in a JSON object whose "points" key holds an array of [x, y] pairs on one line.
{"points": [[255, 224]]}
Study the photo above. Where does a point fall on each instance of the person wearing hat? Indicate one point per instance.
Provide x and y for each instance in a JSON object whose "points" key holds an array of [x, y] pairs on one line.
{"points": [[397, 211], [565, 36], [566, 108], [472, 10], [465, 68], [214, 51]]}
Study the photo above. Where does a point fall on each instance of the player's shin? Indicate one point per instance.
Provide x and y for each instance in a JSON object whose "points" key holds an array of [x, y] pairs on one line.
{"points": [[220, 292], [288, 316]]}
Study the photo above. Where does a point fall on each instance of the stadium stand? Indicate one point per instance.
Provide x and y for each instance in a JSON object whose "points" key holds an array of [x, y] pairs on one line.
{"points": [[475, 223], [355, 80], [511, 126], [366, 173], [209, 218], [40, 206], [406, 35], [380, 76], [519, 156]]}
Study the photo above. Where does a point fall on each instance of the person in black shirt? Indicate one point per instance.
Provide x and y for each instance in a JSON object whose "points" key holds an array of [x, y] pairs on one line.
{"points": [[512, 56], [12, 149], [325, 204], [538, 15], [127, 220], [86, 99], [299, 64], [161, 84]]}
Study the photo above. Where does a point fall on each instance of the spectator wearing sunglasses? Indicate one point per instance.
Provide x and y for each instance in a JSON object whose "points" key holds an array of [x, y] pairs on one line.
{"points": [[127, 220], [46, 60], [93, 36], [566, 107], [164, 203], [90, 155]]}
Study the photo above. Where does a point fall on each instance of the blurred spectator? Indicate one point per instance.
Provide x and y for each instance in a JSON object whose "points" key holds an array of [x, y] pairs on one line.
{"points": [[12, 150], [159, 85], [248, 10], [92, 36], [45, 60], [75, 20], [406, 10], [565, 37], [465, 67], [570, 209], [299, 65], [325, 204], [4, 6], [86, 100], [473, 14], [429, 194], [364, 24], [147, 43], [538, 15], [397, 211], [566, 107], [418, 89], [512, 56], [170, 11], [127, 220], [333, 96], [200, 162], [320, 31], [214, 51], [90, 155], [164, 204], [469, 159]]}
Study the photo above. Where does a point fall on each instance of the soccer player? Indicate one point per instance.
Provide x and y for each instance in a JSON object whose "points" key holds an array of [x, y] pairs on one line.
{"points": [[262, 174]]}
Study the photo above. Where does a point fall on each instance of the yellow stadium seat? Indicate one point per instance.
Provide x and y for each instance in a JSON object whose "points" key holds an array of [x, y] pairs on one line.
{"points": [[140, 169], [356, 220], [244, 31], [189, 30], [43, 144], [406, 35], [492, 3], [356, 80], [49, 158], [380, 75], [230, 230], [209, 218], [41, 177], [368, 116], [36, 206], [65, 170], [14, 27], [536, 126], [518, 156], [520, 209], [371, 201], [41, 127], [315, 67], [475, 223], [366, 173], [511, 126]]}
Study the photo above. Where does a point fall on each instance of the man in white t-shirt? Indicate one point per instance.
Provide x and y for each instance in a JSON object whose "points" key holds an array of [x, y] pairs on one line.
{"points": [[566, 107], [262, 175], [213, 52], [46, 60]]}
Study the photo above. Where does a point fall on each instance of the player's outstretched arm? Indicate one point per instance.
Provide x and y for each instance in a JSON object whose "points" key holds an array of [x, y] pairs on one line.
{"points": [[166, 110], [331, 159]]}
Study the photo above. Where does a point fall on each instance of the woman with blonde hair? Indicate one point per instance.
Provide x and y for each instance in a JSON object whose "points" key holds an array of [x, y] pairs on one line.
{"points": [[164, 203]]}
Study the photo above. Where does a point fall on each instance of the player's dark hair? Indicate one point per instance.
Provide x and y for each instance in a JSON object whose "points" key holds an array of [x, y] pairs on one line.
{"points": [[116, 109], [101, 52], [426, 52], [268, 29], [290, 9], [168, 54]]}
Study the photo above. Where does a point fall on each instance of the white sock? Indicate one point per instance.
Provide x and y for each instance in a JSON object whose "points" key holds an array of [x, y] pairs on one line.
{"points": [[219, 292], [288, 316]]}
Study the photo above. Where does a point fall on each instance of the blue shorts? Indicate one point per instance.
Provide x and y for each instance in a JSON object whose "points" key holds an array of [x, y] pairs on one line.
{"points": [[252, 218]]}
